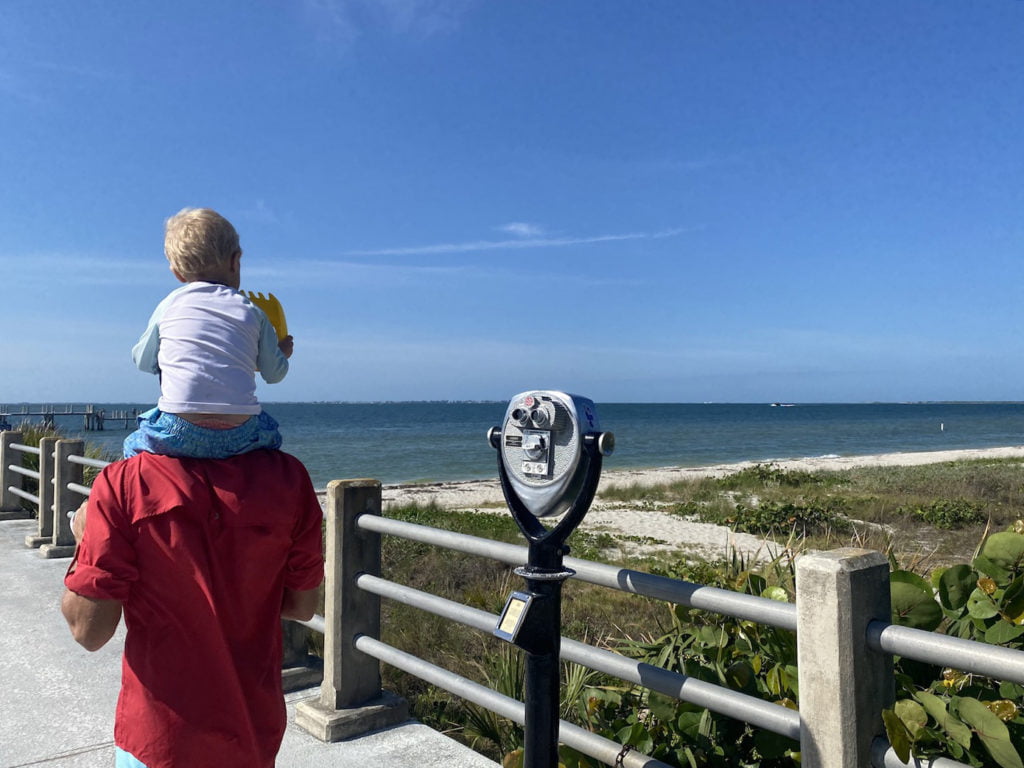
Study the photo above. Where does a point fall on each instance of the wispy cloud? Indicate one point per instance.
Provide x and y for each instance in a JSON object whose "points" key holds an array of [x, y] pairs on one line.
{"points": [[34, 81], [262, 213], [521, 229], [85, 269], [345, 21], [500, 245]]}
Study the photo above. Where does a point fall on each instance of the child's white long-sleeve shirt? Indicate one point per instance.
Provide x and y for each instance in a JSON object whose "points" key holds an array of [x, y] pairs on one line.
{"points": [[207, 341]]}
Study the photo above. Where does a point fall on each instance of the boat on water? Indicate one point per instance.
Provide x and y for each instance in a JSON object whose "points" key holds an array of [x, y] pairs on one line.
{"points": [[783, 405]]}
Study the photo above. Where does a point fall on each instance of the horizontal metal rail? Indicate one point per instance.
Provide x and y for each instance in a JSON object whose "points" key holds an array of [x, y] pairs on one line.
{"points": [[26, 448], [884, 756], [736, 604], [931, 647], [23, 494], [85, 490], [723, 601], [588, 743], [758, 712], [19, 470], [317, 624], [87, 462]]}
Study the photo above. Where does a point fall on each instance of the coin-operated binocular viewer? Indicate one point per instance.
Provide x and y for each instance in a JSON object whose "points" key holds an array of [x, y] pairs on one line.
{"points": [[550, 448]]}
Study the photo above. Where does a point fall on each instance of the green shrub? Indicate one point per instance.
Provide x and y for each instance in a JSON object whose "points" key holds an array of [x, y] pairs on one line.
{"points": [[970, 717], [775, 517], [950, 514], [772, 475]]}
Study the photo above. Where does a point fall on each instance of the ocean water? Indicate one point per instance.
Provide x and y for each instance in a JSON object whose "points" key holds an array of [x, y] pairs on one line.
{"points": [[443, 441]]}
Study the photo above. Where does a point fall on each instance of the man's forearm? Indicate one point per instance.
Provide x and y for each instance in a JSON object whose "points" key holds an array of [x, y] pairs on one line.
{"points": [[299, 605], [92, 622]]}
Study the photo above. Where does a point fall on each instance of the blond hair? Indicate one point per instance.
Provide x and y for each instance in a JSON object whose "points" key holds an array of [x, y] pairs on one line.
{"points": [[199, 243]]}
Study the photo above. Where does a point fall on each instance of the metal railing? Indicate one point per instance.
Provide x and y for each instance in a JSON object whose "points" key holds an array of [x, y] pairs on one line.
{"points": [[848, 664], [843, 603]]}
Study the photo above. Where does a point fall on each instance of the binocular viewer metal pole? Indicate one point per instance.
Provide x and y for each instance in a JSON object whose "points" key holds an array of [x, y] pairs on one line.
{"points": [[547, 465]]}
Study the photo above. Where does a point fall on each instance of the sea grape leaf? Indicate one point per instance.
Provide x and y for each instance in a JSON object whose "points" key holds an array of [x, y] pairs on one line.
{"points": [[776, 593], [956, 585], [772, 746], [1011, 691], [1003, 632], [912, 714], [909, 577], [1006, 550], [740, 677], [662, 707], [899, 736], [991, 730], [981, 606], [989, 567], [914, 607], [689, 724], [1013, 601], [936, 707]]}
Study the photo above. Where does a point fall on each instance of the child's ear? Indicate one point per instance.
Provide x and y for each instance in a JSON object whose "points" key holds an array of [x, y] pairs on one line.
{"points": [[177, 274]]}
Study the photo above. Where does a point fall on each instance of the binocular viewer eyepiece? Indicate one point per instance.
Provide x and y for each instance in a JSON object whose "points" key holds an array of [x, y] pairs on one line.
{"points": [[545, 446]]}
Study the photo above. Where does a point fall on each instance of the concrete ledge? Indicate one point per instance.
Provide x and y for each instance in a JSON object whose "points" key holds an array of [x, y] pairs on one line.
{"points": [[16, 513], [53, 551], [35, 542], [301, 677], [328, 724]]}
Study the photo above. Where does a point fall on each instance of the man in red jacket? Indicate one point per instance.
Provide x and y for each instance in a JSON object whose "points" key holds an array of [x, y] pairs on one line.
{"points": [[203, 557]]}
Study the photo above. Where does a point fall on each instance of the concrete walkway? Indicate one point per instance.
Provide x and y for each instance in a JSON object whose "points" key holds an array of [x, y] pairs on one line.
{"points": [[57, 700]]}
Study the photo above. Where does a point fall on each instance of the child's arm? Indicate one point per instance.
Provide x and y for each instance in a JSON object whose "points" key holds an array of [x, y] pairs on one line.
{"points": [[271, 360], [145, 352]]}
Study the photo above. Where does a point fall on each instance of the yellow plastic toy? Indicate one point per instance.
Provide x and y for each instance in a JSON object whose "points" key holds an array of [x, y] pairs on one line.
{"points": [[272, 308]]}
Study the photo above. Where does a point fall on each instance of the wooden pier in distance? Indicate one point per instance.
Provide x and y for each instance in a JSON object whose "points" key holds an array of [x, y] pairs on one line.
{"points": [[93, 419]]}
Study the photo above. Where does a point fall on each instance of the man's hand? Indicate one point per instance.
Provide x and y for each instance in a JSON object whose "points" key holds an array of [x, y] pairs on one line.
{"points": [[78, 521], [286, 345], [300, 605]]}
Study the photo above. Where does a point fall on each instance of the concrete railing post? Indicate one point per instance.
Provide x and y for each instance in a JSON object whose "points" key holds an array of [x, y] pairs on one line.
{"points": [[10, 505], [64, 472], [351, 701], [844, 686], [299, 669], [47, 446]]}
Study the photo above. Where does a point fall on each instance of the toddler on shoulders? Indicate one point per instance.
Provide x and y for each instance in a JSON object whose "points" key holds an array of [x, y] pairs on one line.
{"points": [[206, 341]]}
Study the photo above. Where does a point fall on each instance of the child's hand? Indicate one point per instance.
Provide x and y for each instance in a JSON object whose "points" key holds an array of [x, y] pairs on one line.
{"points": [[287, 346]]}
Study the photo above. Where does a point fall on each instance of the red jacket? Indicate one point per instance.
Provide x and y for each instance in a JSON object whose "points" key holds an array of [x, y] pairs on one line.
{"points": [[199, 552]]}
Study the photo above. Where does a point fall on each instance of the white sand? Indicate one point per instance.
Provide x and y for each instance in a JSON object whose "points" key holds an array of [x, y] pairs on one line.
{"points": [[658, 530]]}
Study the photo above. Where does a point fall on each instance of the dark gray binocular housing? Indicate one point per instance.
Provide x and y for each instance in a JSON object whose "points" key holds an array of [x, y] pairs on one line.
{"points": [[543, 446]]}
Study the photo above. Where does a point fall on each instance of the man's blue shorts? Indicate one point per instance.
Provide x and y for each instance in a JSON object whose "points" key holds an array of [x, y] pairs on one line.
{"points": [[124, 759], [168, 435]]}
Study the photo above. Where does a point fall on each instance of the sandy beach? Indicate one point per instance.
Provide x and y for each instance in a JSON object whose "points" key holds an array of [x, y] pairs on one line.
{"points": [[657, 530]]}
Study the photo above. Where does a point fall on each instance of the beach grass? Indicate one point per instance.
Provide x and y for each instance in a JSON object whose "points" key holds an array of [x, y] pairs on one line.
{"points": [[922, 515]]}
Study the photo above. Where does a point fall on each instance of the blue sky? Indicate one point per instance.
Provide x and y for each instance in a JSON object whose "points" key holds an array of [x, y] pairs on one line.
{"points": [[685, 201]]}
